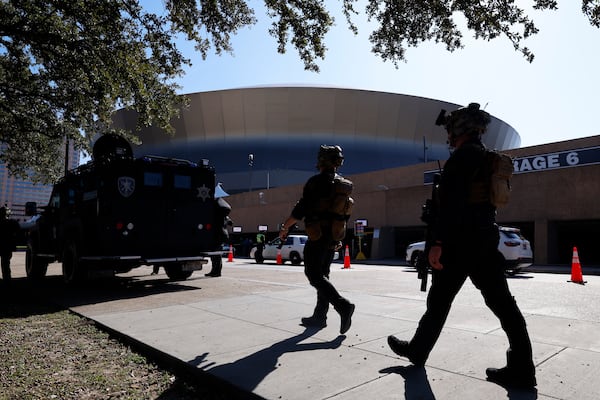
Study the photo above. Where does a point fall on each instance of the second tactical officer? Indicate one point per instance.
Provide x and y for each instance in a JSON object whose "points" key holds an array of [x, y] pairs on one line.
{"points": [[452, 262], [323, 237]]}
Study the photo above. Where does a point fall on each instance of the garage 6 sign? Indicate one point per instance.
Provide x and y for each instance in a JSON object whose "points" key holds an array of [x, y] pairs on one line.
{"points": [[565, 159], [544, 162]]}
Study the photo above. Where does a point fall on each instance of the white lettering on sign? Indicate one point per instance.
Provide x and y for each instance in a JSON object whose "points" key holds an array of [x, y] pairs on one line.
{"points": [[573, 158], [546, 161]]}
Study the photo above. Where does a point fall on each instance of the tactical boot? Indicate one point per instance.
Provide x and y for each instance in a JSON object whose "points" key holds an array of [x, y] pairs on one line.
{"points": [[519, 372], [511, 377], [402, 348], [346, 317], [314, 322]]}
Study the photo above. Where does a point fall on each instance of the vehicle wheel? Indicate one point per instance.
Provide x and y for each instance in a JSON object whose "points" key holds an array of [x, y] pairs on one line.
{"points": [[414, 258], [35, 267], [73, 270], [175, 272], [295, 259]]}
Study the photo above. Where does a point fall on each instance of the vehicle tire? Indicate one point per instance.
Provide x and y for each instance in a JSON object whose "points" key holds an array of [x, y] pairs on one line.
{"points": [[295, 258], [72, 269], [414, 258], [175, 272], [35, 267]]}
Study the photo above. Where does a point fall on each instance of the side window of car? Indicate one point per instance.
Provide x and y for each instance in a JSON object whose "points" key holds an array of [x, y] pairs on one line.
{"points": [[289, 241]]}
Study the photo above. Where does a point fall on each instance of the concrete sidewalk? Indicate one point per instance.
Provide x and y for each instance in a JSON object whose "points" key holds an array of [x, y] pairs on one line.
{"points": [[244, 329]]}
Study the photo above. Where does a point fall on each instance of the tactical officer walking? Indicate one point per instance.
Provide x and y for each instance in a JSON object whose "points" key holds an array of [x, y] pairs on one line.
{"points": [[323, 238], [457, 217]]}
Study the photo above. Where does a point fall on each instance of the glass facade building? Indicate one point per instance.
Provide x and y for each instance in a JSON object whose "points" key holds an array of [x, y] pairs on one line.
{"points": [[14, 193]]}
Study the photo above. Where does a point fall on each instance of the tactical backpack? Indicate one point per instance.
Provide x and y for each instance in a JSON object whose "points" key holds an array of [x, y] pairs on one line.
{"points": [[492, 180], [334, 211]]}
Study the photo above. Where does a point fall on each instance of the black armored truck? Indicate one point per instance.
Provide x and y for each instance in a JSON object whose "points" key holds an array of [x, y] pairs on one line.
{"points": [[118, 212]]}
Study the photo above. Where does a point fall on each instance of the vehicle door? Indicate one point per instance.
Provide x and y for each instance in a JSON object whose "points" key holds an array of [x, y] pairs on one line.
{"points": [[288, 246], [191, 210], [271, 248]]}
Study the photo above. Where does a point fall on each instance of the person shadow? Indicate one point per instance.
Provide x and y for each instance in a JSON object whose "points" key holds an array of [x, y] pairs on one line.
{"points": [[248, 372], [416, 384], [417, 387]]}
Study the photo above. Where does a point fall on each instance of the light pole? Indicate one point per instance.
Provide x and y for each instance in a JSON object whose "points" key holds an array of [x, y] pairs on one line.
{"points": [[250, 165]]}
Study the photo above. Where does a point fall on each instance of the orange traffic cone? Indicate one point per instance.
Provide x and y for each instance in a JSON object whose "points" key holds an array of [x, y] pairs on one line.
{"points": [[230, 255], [347, 258], [576, 275], [279, 259]]}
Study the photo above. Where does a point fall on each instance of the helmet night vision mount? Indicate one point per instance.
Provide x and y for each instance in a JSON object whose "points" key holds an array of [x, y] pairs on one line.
{"points": [[468, 120]]}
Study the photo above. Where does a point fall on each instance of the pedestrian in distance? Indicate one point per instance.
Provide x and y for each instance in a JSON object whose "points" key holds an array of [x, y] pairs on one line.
{"points": [[260, 246], [460, 213], [325, 207], [9, 229]]}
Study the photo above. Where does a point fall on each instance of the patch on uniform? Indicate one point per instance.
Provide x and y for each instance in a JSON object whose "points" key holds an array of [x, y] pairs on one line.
{"points": [[203, 192], [126, 185]]}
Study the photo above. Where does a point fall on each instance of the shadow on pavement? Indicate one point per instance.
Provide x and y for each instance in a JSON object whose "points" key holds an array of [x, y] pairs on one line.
{"points": [[25, 297], [417, 387], [248, 372]]}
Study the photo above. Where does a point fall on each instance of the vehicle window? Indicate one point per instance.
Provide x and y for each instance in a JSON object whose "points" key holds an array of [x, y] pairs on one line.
{"points": [[153, 179], [510, 235], [276, 242], [289, 241], [303, 240], [182, 181]]}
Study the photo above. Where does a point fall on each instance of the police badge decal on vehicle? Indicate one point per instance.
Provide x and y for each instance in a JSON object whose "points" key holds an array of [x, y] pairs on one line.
{"points": [[126, 185]]}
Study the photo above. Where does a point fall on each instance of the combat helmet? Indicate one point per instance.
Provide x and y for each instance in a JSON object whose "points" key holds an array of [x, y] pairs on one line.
{"points": [[330, 157], [468, 120]]}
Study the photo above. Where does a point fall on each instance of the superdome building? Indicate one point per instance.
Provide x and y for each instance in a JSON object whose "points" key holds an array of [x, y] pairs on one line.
{"points": [[266, 137]]}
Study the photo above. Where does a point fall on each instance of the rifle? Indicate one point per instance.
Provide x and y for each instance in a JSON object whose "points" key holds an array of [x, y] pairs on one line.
{"points": [[428, 215]]}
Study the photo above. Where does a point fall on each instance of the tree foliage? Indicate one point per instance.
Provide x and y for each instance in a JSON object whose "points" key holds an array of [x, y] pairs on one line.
{"points": [[66, 66]]}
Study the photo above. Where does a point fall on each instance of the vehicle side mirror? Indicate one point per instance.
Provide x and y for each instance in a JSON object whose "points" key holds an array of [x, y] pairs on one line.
{"points": [[31, 208]]}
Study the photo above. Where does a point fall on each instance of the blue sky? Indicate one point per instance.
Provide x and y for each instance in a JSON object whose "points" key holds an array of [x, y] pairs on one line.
{"points": [[555, 98]]}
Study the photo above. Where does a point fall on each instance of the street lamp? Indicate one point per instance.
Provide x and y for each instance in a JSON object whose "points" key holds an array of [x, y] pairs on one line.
{"points": [[250, 165]]}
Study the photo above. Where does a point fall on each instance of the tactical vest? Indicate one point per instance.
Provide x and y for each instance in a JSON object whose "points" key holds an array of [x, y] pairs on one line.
{"points": [[333, 211], [491, 182]]}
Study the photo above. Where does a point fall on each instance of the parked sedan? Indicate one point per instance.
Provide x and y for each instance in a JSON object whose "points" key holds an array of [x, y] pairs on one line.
{"points": [[514, 247]]}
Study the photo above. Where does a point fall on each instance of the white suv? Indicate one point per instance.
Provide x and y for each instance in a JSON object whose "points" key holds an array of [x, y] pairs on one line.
{"points": [[292, 249], [513, 246]]}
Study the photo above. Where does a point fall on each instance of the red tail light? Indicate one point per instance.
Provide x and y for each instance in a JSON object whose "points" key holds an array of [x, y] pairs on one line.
{"points": [[511, 244]]}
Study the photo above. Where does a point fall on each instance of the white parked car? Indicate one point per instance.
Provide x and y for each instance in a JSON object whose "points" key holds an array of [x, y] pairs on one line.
{"points": [[514, 247], [291, 250]]}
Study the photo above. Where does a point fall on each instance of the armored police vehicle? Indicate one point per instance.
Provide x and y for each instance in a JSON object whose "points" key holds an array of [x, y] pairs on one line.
{"points": [[116, 213]]}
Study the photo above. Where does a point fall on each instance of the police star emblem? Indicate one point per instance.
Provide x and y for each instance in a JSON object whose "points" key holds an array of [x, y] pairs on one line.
{"points": [[203, 192], [126, 186]]}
